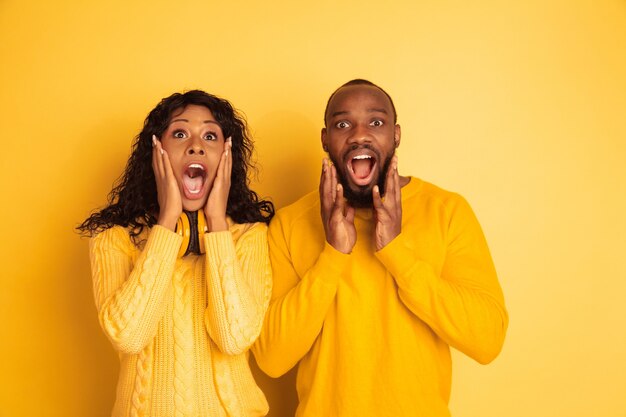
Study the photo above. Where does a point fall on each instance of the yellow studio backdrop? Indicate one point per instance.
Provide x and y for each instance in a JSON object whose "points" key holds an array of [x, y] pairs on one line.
{"points": [[518, 106]]}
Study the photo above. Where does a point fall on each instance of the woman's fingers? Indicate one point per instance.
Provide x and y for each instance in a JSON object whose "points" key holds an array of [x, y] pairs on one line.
{"points": [[228, 166], [168, 173], [157, 155]]}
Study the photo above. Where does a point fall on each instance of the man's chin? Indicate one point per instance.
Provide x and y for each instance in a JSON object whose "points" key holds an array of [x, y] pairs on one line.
{"points": [[359, 196]]}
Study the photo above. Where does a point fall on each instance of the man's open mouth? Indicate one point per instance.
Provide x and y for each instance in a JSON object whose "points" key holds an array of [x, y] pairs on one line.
{"points": [[361, 167]]}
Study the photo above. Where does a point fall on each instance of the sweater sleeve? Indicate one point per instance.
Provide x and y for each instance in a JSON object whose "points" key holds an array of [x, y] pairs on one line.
{"points": [[239, 285], [464, 305], [130, 298], [299, 305]]}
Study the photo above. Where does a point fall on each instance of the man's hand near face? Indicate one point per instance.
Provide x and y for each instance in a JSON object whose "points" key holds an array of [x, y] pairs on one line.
{"points": [[337, 215], [388, 211]]}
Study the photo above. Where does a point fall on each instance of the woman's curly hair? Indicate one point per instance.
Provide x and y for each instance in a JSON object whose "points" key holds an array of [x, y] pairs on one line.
{"points": [[133, 201]]}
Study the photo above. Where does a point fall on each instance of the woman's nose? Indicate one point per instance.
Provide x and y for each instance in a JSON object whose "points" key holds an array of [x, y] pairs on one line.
{"points": [[195, 147]]}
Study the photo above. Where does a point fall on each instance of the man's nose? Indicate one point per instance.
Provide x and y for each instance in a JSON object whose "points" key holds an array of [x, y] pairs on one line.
{"points": [[195, 146], [360, 134]]}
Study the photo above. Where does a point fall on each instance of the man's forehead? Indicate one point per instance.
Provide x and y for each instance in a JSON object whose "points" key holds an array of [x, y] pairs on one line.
{"points": [[371, 94]]}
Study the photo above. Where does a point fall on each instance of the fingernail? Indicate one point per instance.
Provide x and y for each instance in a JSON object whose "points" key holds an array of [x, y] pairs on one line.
{"points": [[154, 139], [162, 151]]}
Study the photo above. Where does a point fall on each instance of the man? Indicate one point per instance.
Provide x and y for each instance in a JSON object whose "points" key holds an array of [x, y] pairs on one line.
{"points": [[376, 275]]}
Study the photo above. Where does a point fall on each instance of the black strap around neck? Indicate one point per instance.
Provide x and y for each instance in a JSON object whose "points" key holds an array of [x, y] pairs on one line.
{"points": [[194, 238]]}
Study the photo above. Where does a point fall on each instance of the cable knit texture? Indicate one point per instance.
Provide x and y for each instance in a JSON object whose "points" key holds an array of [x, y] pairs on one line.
{"points": [[371, 330], [183, 327]]}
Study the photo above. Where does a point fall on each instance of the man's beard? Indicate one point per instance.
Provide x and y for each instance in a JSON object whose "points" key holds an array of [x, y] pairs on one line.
{"points": [[362, 197]]}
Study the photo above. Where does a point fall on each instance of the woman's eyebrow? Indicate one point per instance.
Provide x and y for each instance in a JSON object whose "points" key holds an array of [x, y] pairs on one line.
{"points": [[187, 121]]}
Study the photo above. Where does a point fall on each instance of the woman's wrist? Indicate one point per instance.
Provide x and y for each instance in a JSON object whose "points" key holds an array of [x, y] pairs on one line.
{"points": [[168, 222], [218, 224]]}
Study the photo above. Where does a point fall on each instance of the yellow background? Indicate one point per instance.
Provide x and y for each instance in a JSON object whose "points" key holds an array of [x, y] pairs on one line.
{"points": [[520, 106]]}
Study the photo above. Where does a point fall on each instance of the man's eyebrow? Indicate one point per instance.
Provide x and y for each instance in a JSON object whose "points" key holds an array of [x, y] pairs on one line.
{"points": [[372, 110], [339, 113], [376, 110]]}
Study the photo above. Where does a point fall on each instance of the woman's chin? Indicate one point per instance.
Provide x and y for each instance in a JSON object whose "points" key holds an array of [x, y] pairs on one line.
{"points": [[193, 205], [194, 201]]}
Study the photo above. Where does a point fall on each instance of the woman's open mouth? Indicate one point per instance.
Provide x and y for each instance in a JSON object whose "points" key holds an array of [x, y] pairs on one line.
{"points": [[194, 178]]}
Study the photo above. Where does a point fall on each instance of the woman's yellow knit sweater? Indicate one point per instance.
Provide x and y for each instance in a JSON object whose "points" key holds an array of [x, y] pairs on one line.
{"points": [[183, 326]]}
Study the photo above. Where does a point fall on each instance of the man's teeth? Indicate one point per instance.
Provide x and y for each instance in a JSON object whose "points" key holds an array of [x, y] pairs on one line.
{"points": [[362, 157]]}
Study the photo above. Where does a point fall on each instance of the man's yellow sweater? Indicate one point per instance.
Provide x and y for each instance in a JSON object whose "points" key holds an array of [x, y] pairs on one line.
{"points": [[182, 326], [371, 330]]}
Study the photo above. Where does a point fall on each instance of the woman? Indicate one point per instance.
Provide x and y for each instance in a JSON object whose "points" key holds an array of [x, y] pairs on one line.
{"points": [[180, 267]]}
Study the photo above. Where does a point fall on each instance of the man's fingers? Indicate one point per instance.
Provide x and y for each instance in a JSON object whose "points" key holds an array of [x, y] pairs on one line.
{"points": [[339, 201], [390, 181], [322, 182], [325, 191], [341, 209], [350, 214], [377, 200], [396, 182], [333, 182]]}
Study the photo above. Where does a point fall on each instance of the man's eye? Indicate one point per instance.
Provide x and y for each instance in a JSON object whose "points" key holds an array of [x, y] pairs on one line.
{"points": [[179, 134], [377, 123], [210, 136], [342, 125]]}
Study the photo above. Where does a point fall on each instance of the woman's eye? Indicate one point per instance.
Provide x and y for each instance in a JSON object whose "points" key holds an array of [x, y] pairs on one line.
{"points": [[377, 123], [179, 134], [210, 136], [342, 125]]}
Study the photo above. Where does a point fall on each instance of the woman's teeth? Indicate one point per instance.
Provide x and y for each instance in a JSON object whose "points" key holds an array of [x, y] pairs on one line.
{"points": [[193, 178]]}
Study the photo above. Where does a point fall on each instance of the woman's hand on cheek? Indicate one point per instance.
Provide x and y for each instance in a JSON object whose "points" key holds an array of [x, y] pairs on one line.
{"points": [[215, 208], [170, 201]]}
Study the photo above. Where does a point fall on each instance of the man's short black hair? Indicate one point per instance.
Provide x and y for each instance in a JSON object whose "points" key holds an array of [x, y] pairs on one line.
{"points": [[360, 81]]}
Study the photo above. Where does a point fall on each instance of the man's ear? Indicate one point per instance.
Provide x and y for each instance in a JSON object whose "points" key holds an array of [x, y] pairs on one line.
{"points": [[324, 145], [396, 135]]}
